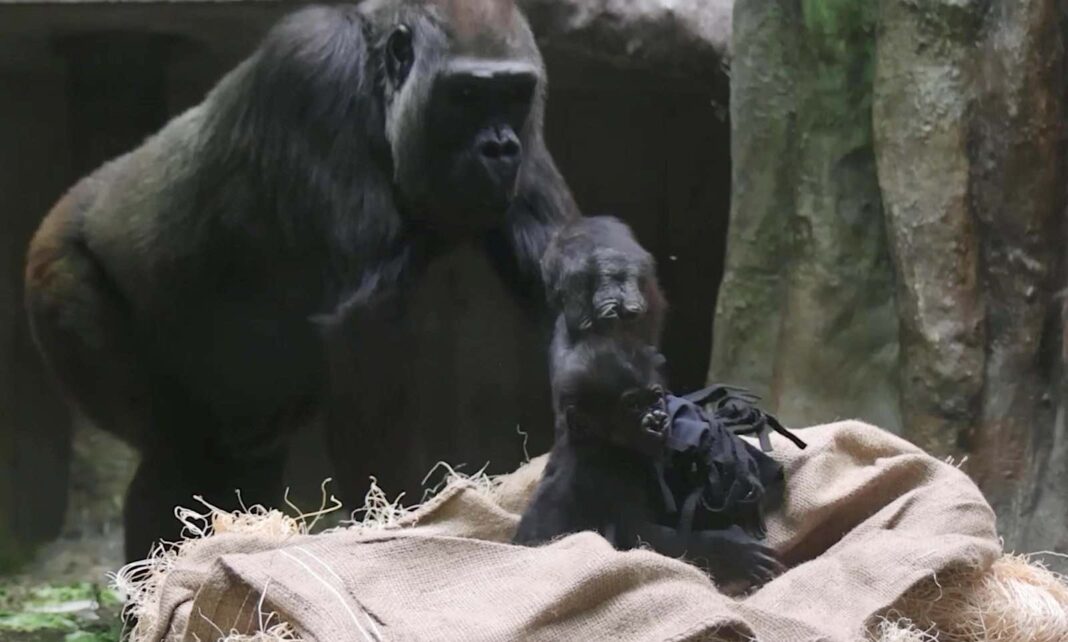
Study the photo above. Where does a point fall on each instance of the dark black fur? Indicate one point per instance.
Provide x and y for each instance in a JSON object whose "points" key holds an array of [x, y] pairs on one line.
{"points": [[602, 473], [585, 256], [607, 380], [171, 290]]}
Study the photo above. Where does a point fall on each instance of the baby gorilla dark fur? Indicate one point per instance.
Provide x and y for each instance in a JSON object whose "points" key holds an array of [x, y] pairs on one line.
{"points": [[615, 469], [630, 461]]}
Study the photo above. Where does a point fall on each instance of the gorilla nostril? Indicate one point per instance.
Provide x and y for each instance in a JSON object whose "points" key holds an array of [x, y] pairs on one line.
{"points": [[490, 149], [510, 148], [499, 143]]}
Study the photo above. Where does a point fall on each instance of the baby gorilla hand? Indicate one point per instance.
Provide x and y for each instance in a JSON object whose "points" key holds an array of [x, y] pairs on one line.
{"points": [[735, 559], [602, 281]]}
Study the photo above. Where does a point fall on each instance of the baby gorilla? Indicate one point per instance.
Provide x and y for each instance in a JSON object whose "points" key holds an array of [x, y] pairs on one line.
{"points": [[637, 465]]}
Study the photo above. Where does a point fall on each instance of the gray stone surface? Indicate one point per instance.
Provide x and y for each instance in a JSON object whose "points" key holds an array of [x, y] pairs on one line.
{"points": [[806, 310], [942, 122]]}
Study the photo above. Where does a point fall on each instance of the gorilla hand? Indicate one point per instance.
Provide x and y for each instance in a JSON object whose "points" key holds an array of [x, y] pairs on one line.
{"points": [[602, 281]]}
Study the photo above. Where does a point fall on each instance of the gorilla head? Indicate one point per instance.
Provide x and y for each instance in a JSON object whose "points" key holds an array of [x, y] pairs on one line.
{"points": [[430, 108], [461, 85], [603, 390]]}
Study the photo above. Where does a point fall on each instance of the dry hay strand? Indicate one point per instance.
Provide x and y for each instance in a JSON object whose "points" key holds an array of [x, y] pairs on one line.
{"points": [[277, 633], [1017, 600], [268, 630], [900, 630], [141, 582], [379, 512]]}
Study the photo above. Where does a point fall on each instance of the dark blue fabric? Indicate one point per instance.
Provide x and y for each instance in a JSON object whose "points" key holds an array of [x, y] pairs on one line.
{"points": [[731, 478]]}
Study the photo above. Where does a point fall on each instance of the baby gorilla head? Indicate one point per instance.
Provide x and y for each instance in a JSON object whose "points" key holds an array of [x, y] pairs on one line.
{"points": [[610, 392]]}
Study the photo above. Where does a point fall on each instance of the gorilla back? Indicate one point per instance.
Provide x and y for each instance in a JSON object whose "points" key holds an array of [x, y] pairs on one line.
{"points": [[171, 290]]}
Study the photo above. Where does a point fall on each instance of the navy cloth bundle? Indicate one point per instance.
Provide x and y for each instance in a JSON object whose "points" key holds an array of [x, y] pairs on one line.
{"points": [[709, 477]]}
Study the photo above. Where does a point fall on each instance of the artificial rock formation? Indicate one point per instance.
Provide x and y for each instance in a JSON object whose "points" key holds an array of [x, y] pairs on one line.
{"points": [[904, 161]]}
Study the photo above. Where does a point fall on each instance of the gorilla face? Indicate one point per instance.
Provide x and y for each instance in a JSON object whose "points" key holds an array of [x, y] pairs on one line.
{"points": [[462, 86], [610, 391]]}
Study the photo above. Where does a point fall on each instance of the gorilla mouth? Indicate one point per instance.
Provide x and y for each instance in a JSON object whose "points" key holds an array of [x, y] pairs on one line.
{"points": [[484, 190]]}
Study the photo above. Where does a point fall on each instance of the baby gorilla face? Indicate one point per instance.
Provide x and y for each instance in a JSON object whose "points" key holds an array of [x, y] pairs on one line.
{"points": [[612, 394]]}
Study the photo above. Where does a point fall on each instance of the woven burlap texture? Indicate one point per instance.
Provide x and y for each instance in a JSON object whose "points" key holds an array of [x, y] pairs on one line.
{"points": [[866, 516]]}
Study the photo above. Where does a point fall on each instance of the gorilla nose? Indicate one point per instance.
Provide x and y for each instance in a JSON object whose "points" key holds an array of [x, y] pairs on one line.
{"points": [[499, 144]]}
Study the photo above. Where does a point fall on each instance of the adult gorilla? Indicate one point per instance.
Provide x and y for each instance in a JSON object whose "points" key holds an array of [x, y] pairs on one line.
{"points": [[173, 291]]}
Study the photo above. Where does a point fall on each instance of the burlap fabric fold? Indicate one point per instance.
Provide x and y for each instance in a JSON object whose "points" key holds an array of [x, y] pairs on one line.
{"points": [[866, 516]]}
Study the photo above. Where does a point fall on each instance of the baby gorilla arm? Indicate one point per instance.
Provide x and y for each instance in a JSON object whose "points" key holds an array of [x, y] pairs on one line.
{"points": [[559, 507], [587, 489]]}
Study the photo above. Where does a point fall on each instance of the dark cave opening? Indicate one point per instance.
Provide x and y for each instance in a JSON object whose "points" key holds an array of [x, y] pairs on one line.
{"points": [[654, 151]]}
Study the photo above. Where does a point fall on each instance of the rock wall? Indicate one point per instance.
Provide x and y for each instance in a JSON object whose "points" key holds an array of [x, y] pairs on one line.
{"points": [[806, 310], [899, 216]]}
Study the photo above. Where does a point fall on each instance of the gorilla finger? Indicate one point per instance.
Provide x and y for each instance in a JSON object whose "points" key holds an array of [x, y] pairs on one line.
{"points": [[608, 310], [761, 576], [633, 309], [772, 565]]}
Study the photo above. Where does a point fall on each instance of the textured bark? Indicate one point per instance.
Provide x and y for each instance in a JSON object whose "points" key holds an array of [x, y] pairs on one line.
{"points": [[924, 86], [806, 309]]}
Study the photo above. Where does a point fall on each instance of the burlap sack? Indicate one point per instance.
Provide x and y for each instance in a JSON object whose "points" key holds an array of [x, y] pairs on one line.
{"points": [[867, 515]]}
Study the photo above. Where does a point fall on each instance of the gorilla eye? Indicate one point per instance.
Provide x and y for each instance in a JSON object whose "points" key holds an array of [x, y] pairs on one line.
{"points": [[399, 54]]}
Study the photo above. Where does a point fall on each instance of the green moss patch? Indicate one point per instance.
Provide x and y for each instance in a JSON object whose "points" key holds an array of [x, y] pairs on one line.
{"points": [[80, 612]]}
